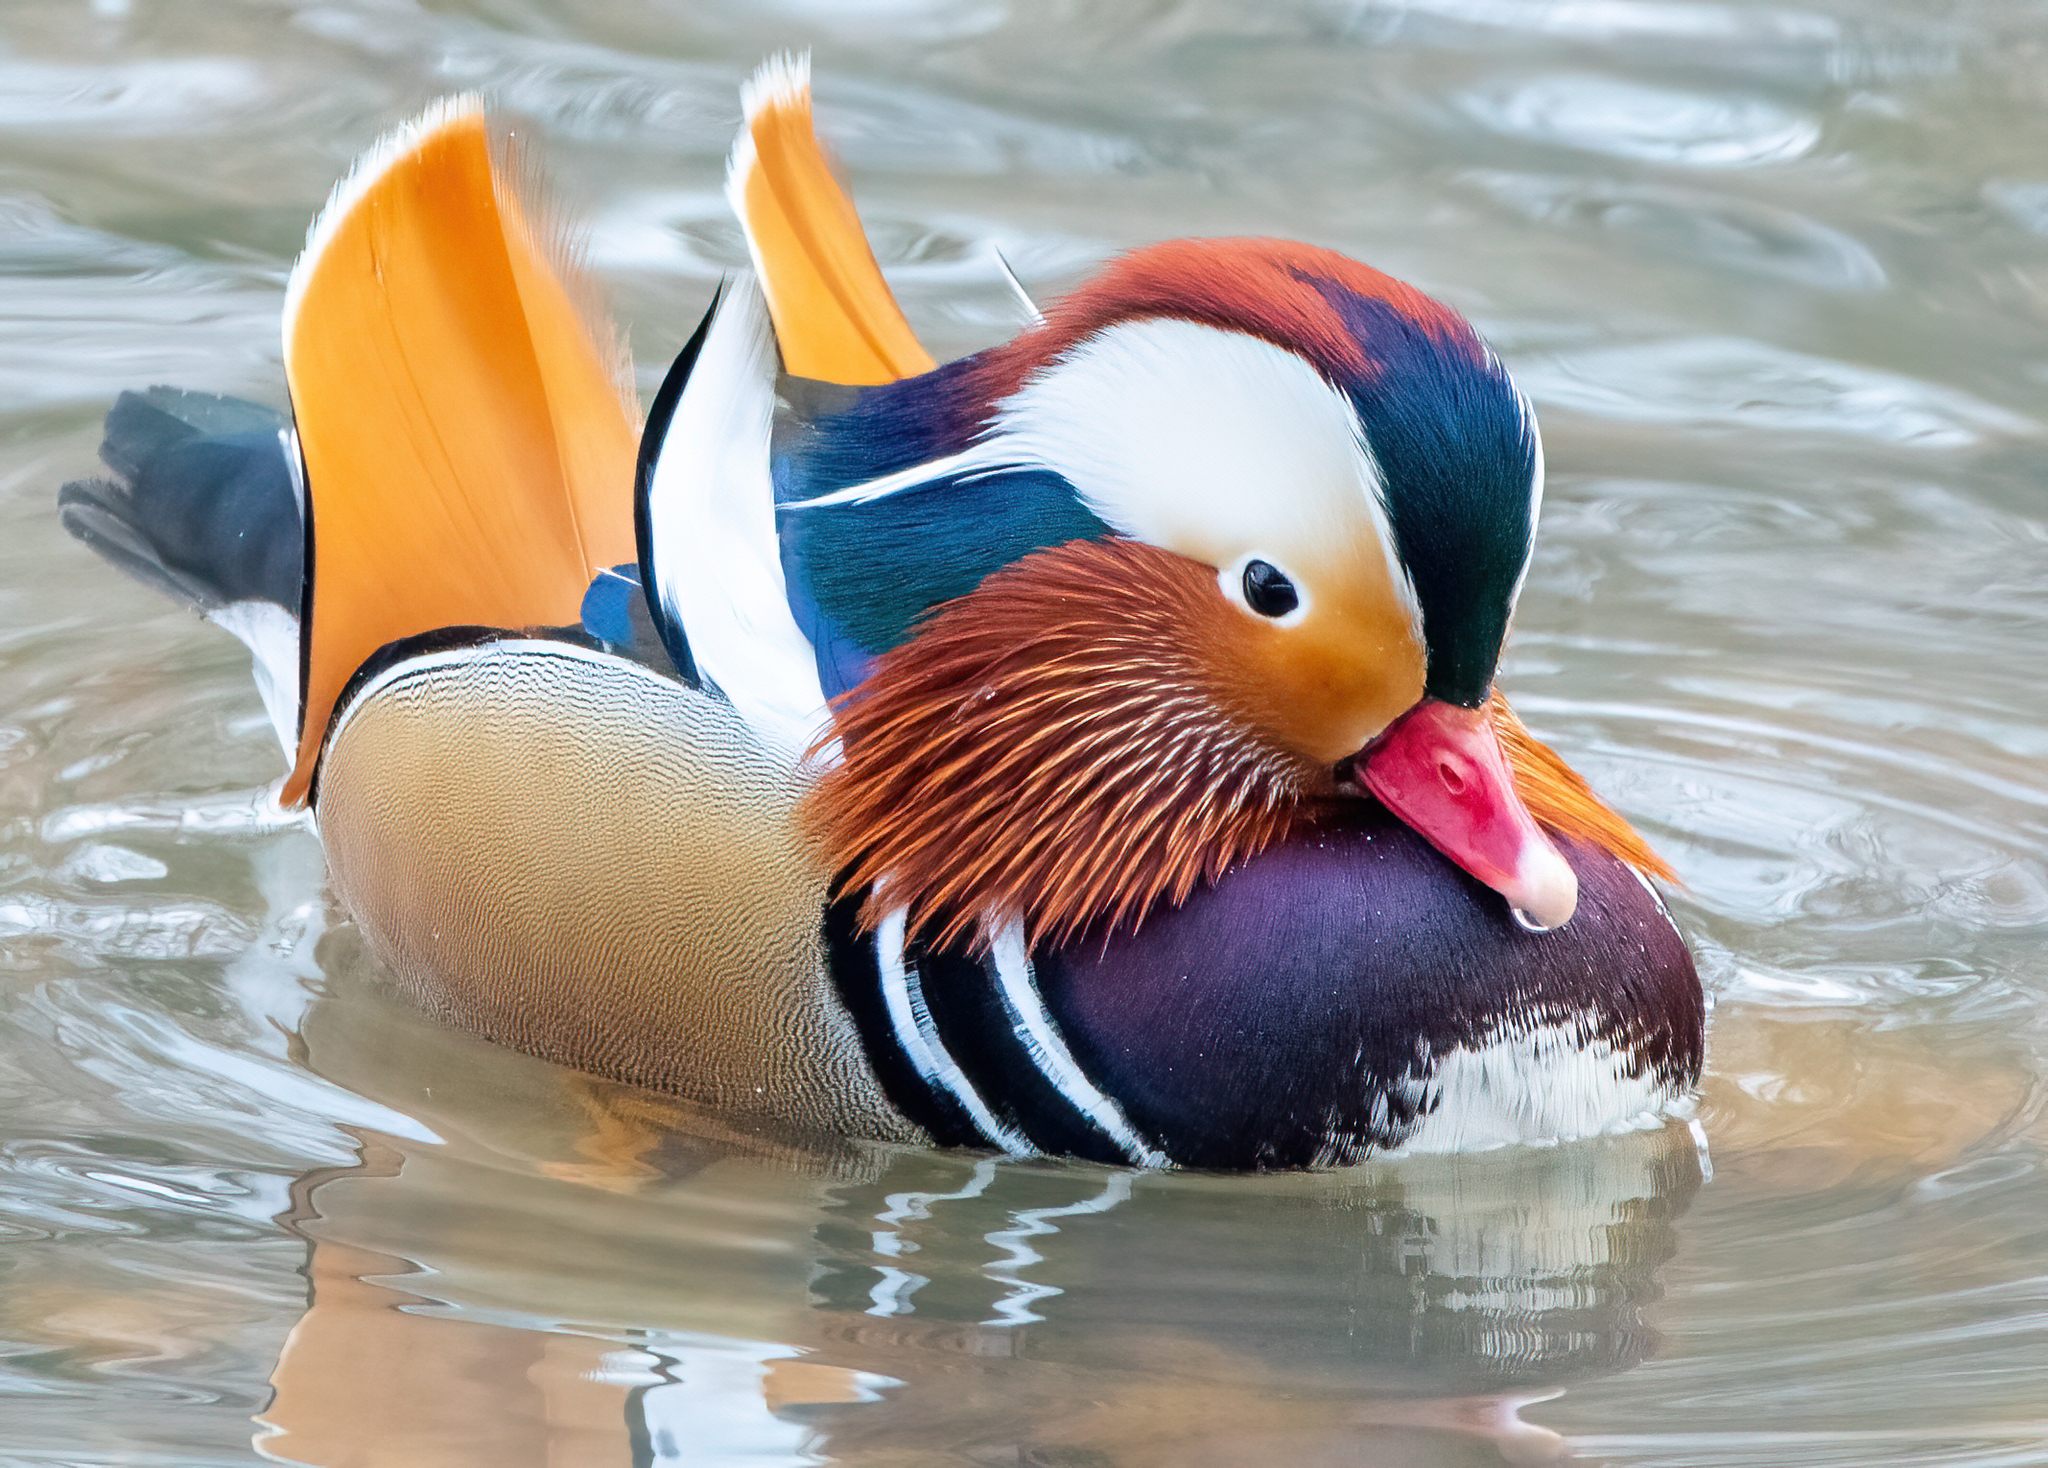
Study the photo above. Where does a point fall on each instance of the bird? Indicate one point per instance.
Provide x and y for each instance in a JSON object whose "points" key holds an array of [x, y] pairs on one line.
{"points": [[1088, 747]]}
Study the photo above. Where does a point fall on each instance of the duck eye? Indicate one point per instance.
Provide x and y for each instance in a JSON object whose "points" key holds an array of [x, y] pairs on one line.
{"points": [[1267, 590]]}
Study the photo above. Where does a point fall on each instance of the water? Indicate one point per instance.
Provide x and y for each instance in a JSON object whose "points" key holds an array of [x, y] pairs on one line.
{"points": [[1778, 280]]}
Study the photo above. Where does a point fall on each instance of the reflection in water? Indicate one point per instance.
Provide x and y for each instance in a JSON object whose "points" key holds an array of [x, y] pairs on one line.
{"points": [[680, 1294]]}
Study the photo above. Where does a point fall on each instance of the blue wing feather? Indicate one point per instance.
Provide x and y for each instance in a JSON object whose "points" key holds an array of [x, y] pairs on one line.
{"points": [[862, 572], [873, 570]]}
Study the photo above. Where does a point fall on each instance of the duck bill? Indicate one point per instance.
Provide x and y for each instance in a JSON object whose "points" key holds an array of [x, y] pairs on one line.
{"points": [[1441, 769]]}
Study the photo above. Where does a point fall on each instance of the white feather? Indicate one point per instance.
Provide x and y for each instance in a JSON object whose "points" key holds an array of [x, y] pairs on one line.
{"points": [[1537, 1084], [272, 636], [783, 80], [1032, 315], [1042, 1041], [1206, 441], [918, 1036], [1209, 443], [271, 632], [711, 513]]}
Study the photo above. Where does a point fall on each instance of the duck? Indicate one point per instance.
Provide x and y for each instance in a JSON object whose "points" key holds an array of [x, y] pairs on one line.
{"points": [[1086, 748]]}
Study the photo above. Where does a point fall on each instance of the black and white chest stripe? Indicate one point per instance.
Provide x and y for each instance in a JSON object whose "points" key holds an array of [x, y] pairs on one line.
{"points": [[1313, 1041], [969, 1049]]}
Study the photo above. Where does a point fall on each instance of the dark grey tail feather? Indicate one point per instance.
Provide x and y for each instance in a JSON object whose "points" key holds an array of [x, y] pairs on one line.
{"points": [[98, 512], [141, 424], [203, 508]]}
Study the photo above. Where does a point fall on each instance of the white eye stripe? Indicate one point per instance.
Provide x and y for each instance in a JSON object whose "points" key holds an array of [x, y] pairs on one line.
{"points": [[1203, 441], [1216, 445], [1219, 446]]}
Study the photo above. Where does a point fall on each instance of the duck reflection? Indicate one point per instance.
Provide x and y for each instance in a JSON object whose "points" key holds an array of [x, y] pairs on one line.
{"points": [[614, 1279]]}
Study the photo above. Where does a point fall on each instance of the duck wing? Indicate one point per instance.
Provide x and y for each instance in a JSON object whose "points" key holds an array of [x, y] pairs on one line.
{"points": [[466, 423], [817, 308], [836, 320]]}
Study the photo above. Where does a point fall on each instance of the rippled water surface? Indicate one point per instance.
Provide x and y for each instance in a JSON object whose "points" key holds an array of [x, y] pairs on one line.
{"points": [[1777, 278]]}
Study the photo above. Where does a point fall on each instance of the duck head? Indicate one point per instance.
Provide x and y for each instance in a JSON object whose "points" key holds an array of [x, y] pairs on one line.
{"points": [[1231, 537]]}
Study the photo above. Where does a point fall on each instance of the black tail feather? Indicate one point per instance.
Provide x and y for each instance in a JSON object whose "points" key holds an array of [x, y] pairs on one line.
{"points": [[203, 508]]}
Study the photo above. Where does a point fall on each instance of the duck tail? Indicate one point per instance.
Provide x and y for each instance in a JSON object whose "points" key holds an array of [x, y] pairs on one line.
{"points": [[205, 506], [467, 423], [835, 317]]}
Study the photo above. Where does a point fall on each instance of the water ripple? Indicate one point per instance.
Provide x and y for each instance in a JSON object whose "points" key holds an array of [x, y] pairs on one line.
{"points": [[127, 1184], [1732, 382], [1743, 234], [1775, 268], [2027, 203], [1608, 21], [44, 97], [231, 813], [31, 924], [1654, 124]]}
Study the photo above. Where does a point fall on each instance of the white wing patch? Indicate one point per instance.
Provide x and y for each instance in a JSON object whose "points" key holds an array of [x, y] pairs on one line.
{"points": [[272, 636], [271, 632], [918, 1037], [711, 512], [1042, 1041]]}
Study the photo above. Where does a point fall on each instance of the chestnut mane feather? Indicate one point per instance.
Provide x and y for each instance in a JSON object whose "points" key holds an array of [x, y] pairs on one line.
{"points": [[1054, 747], [1560, 799], [1063, 746], [1266, 288]]}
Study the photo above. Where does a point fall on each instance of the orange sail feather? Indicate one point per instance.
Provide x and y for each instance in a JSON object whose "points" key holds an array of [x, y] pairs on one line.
{"points": [[835, 316], [467, 440]]}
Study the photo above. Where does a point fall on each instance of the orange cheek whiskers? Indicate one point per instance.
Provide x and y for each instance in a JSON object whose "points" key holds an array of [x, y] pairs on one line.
{"points": [[1046, 748], [1559, 797]]}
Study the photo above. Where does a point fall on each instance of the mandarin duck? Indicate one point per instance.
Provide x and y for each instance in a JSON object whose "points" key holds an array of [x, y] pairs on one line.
{"points": [[1088, 747]]}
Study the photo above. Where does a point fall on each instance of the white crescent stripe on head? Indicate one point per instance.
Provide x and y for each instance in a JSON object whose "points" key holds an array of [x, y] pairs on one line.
{"points": [[1535, 491], [1209, 443]]}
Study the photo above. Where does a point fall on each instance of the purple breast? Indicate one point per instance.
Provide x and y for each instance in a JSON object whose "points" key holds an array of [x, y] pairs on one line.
{"points": [[1282, 1017]]}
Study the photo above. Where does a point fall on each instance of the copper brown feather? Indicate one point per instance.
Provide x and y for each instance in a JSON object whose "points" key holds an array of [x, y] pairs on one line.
{"points": [[1074, 741], [1559, 798], [1056, 746]]}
